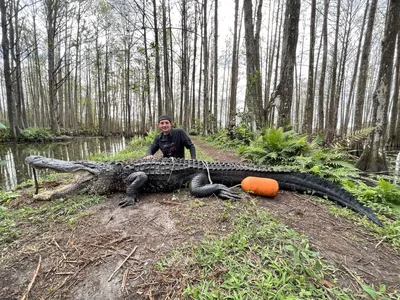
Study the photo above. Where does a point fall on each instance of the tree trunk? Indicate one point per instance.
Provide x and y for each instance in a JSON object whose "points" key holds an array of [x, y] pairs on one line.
{"points": [[394, 135], [206, 71], [216, 82], [284, 90], [193, 106], [321, 91], [309, 111], [373, 158], [253, 100], [332, 108], [354, 77], [157, 67], [52, 14], [364, 68], [167, 88], [235, 70], [5, 44]]}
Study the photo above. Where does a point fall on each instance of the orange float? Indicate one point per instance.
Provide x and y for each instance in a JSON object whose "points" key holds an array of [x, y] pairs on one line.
{"points": [[266, 187]]}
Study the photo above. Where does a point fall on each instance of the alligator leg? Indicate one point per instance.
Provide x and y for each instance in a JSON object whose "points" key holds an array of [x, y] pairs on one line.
{"points": [[134, 181], [200, 187]]}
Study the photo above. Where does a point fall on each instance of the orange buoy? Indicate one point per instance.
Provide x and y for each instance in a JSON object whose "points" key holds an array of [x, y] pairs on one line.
{"points": [[266, 187]]}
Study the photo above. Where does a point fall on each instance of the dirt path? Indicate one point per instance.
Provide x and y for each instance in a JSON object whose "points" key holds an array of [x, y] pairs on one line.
{"points": [[81, 261]]}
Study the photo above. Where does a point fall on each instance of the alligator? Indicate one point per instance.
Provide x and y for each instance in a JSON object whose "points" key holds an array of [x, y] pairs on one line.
{"points": [[168, 174]]}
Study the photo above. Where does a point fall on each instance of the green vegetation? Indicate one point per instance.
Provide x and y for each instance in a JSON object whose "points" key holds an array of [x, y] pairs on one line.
{"points": [[62, 210], [290, 150], [259, 259], [36, 134]]}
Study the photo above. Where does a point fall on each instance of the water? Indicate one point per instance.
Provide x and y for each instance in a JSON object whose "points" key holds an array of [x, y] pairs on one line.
{"points": [[14, 171]]}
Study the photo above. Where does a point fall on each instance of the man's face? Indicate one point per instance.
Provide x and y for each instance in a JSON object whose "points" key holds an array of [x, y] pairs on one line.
{"points": [[165, 126]]}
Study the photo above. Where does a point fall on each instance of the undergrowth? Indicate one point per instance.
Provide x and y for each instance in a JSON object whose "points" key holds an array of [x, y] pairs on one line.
{"points": [[260, 259], [61, 210]]}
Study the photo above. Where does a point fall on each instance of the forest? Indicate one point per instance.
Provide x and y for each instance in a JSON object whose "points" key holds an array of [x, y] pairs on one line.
{"points": [[102, 67]]}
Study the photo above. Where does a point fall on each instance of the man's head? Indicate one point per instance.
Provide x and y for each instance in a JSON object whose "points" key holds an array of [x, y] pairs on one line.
{"points": [[165, 124]]}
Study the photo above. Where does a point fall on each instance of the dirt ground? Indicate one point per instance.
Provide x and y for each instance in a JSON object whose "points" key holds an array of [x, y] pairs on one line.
{"points": [[111, 252]]}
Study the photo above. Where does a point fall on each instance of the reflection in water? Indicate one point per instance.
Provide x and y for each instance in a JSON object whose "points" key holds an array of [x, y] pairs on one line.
{"points": [[13, 169]]}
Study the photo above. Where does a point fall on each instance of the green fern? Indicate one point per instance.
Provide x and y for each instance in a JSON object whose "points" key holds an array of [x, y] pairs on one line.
{"points": [[353, 137]]}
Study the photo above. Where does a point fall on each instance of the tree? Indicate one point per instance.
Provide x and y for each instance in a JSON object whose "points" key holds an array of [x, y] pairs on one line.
{"points": [[333, 88], [216, 83], [394, 129], [167, 87], [373, 158], [235, 70], [284, 90], [321, 90], [53, 15], [205, 69], [364, 68], [156, 46], [253, 100], [5, 44], [309, 111]]}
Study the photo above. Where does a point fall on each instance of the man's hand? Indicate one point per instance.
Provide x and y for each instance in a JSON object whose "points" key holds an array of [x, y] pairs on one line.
{"points": [[149, 157]]}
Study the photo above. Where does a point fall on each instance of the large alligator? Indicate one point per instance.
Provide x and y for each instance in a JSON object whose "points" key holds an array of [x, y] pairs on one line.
{"points": [[167, 174]]}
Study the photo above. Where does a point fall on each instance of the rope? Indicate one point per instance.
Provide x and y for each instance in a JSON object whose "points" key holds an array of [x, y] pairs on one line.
{"points": [[172, 169], [208, 170]]}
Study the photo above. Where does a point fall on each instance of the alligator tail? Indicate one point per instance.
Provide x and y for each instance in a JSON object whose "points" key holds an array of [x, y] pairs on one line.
{"points": [[311, 184]]}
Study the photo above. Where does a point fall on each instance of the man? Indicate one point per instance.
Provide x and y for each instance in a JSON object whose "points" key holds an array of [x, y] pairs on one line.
{"points": [[171, 141]]}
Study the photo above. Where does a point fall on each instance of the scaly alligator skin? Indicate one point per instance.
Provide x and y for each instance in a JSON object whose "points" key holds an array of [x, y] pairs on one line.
{"points": [[167, 175]]}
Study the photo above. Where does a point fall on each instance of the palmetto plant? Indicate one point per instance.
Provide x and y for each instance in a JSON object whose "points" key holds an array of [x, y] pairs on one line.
{"points": [[291, 150]]}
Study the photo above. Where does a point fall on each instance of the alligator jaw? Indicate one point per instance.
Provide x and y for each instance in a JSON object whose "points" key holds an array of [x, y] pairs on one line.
{"points": [[40, 162], [81, 177]]}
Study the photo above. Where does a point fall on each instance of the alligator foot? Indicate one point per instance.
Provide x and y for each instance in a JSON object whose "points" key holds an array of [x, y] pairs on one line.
{"points": [[128, 201], [226, 193]]}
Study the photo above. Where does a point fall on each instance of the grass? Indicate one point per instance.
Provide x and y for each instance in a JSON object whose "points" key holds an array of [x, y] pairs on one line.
{"points": [[62, 210], [260, 259]]}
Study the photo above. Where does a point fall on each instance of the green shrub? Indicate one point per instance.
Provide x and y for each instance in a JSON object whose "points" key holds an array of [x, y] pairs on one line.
{"points": [[36, 134]]}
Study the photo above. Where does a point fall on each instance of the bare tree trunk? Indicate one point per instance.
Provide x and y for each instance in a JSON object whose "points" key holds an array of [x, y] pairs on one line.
{"points": [[364, 68], [253, 100], [193, 106], [147, 76], [216, 83], [157, 68], [5, 44], [52, 15], [16, 50], [167, 88], [269, 101], [394, 135], [321, 91], [284, 90], [100, 106], [309, 111], [206, 70], [235, 70], [354, 77], [332, 109], [373, 158]]}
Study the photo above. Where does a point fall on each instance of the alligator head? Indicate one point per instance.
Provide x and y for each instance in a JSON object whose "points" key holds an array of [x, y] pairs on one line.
{"points": [[86, 173]]}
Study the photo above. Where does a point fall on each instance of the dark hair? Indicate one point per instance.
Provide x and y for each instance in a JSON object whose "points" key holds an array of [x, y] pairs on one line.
{"points": [[164, 117]]}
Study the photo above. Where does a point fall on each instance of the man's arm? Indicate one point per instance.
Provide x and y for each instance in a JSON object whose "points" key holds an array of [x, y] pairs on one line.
{"points": [[189, 144], [192, 151], [154, 147]]}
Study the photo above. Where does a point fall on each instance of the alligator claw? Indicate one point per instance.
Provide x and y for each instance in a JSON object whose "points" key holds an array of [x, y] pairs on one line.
{"points": [[228, 194], [128, 201]]}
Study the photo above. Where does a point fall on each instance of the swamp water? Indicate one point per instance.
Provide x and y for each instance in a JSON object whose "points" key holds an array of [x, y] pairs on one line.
{"points": [[14, 170]]}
